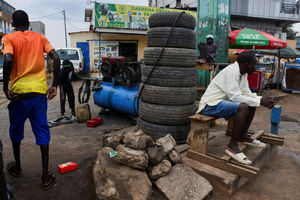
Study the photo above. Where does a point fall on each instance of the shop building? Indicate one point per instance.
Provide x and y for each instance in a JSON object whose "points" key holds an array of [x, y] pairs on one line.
{"points": [[112, 42], [115, 30], [6, 11]]}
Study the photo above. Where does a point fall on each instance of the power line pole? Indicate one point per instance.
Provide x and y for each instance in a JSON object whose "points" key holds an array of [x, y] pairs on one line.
{"points": [[64, 13]]}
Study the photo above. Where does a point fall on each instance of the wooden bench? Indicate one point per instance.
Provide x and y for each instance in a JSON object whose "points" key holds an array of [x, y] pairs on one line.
{"points": [[198, 140]]}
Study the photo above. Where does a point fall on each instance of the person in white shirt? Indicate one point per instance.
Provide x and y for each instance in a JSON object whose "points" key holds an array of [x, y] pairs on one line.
{"points": [[228, 95]]}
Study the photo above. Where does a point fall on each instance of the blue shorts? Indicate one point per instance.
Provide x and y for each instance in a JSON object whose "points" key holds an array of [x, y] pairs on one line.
{"points": [[35, 109], [224, 109]]}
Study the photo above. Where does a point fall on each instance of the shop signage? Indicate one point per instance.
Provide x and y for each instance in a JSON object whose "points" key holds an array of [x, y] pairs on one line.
{"points": [[107, 48], [126, 16]]}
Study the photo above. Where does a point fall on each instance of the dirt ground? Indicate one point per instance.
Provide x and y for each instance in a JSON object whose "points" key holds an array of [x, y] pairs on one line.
{"points": [[279, 179]]}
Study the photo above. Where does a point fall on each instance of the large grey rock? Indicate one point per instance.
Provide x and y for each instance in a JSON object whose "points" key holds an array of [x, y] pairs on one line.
{"points": [[175, 156], [155, 155], [167, 144], [160, 170], [119, 182], [183, 183], [137, 140], [137, 159], [112, 141]]}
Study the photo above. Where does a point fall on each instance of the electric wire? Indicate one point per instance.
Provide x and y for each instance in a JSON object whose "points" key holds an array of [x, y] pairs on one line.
{"points": [[47, 15], [76, 27]]}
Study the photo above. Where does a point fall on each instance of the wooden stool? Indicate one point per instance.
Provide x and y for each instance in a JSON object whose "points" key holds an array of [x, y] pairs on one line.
{"points": [[198, 136], [199, 132]]}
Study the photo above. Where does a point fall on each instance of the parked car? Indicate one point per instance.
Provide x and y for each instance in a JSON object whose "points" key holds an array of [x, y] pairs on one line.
{"points": [[75, 55]]}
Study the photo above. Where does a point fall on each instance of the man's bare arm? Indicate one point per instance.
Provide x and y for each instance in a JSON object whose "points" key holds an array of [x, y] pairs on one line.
{"points": [[7, 66], [56, 66]]}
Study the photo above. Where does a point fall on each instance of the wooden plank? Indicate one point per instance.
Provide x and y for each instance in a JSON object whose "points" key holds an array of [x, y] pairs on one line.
{"points": [[269, 135], [201, 88], [243, 146], [226, 166], [237, 163], [215, 70], [205, 67], [271, 140], [202, 118], [258, 134]]}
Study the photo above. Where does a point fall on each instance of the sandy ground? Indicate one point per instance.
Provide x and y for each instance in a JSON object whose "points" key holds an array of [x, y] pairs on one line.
{"points": [[280, 178]]}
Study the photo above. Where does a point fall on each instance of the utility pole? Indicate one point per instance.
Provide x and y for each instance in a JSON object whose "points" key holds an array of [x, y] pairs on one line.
{"points": [[64, 13]]}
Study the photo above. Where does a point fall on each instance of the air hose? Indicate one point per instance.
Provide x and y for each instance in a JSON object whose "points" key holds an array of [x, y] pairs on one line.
{"points": [[84, 91]]}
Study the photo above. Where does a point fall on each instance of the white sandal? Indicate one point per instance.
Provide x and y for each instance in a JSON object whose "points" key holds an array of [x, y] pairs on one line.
{"points": [[240, 157], [255, 143]]}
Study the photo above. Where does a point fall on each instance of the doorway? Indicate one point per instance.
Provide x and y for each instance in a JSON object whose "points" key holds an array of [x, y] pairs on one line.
{"points": [[128, 50]]}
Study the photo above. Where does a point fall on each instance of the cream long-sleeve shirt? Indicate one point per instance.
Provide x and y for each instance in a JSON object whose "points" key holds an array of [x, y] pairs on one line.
{"points": [[230, 85]]}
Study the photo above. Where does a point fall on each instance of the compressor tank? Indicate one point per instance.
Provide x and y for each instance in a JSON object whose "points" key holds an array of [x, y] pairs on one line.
{"points": [[120, 98]]}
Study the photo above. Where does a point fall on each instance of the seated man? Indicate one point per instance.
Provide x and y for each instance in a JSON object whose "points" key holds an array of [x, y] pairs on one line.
{"points": [[228, 95]]}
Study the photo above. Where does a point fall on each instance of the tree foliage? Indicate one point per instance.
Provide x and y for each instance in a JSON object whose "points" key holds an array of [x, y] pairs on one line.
{"points": [[290, 33]]}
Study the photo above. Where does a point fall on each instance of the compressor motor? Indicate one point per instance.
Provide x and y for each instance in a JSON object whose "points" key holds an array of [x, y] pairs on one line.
{"points": [[120, 72]]}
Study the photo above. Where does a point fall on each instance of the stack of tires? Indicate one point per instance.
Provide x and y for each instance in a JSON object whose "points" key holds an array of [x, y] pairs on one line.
{"points": [[169, 92]]}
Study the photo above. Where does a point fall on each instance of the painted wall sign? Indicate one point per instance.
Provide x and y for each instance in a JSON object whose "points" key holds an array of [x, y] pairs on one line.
{"points": [[127, 16]]}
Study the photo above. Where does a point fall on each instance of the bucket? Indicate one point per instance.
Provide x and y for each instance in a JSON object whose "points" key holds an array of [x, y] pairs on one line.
{"points": [[83, 112]]}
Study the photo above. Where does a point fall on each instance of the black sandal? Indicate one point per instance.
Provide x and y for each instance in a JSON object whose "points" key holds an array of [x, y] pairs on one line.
{"points": [[50, 184], [11, 169]]}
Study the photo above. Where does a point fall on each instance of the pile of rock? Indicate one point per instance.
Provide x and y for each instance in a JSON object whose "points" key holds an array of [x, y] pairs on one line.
{"points": [[129, 163]]}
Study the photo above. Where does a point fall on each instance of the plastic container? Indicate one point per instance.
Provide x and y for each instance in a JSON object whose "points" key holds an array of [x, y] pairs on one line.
{"points": [[83, 112], [94, 122], [257, 79], [66, 167]]}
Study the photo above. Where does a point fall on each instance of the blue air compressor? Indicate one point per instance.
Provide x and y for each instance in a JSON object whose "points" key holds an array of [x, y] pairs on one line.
{"points": [[119, 87]]}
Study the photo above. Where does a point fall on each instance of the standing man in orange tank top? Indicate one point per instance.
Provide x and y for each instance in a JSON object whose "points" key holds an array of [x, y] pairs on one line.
{"points": [[24, 67]]}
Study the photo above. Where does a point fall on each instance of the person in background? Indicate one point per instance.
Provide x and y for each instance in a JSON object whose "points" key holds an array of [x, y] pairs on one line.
{"points": [[228, 95], [208, 50], [211, 48], [24, 67], [66, 88]]}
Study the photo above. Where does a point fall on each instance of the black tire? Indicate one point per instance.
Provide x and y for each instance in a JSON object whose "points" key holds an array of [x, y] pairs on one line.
{"points": [[167, 20], [180, 37], [169, 95], [170, 76], [173, 57], [166, 114], [156, 131]]}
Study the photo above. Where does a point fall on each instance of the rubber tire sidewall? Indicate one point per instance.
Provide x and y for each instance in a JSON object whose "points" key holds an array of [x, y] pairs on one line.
{"points": [[173, 57], [170, 76], [166, 114], [168, 95], [156, 131], [179, 38], [168, 19]]}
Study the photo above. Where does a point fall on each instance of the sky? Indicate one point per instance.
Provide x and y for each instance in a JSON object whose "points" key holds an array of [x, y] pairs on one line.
{"points": [[39, 10]]}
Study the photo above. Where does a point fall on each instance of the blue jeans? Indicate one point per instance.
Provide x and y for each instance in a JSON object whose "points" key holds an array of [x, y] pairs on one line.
{"points": [[224, 109]]}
